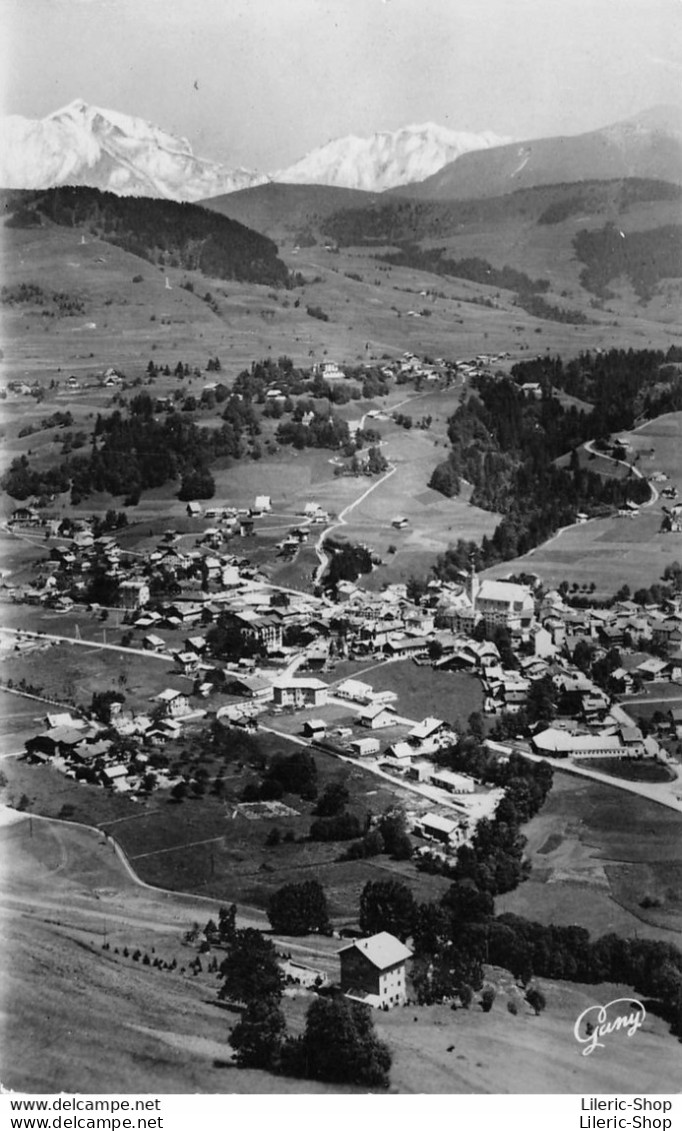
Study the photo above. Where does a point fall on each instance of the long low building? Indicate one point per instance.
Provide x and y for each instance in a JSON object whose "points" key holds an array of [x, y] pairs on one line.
{"points": [[566, 744]]}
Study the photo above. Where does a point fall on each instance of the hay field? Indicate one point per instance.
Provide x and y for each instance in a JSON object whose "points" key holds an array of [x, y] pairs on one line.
{"points": [[596, 853], [65, 896], [613, 551]]}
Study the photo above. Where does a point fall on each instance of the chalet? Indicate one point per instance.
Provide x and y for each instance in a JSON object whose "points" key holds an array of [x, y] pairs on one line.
{"points": [[196, 644], [251, 686], [134, 593], [262, 503], [314, 728], [153, 643], [164, 731], [402, 752], [194, 510], [330, 371], [88, 752], [653, 669], [399, 522], [621, 681], [60, 740], [373, 971], [377, 716], [669, 633], [188, 662], [173, 703], [65, 719], [115, 775], [431, 730], [25, 516], [300, 692], [355, 690], [406, 645], [264, 630]]}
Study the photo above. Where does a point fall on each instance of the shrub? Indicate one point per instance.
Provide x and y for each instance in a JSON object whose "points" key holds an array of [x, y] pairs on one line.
{"points": [[487, 998]]}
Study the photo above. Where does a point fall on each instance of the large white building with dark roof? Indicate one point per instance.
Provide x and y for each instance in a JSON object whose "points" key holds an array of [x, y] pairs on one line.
{"points": [[373, 970]]}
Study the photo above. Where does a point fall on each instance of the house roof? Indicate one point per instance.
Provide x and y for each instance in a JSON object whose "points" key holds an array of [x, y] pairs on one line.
{"points": [[376, 709], [354, 687], [563, 742], [382, 950], [426, 727], [443, 824], [505, 591], [309, 684]]}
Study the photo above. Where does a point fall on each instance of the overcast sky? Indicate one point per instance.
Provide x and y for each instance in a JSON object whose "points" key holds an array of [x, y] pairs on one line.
{"points": [[277, 78]]}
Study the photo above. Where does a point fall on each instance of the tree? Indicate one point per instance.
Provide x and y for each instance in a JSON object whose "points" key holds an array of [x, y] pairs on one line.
{"points": [[536, 999], [387, 905], [340, 1045], [102, 702], [487, 998], [257, 1038], [393, 829], [299, 909], [180, 790], [476, 725], [250, 970], [333, 799], [227, 923]]}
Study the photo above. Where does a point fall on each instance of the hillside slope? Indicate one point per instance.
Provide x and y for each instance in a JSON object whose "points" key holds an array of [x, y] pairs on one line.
{"points": [[284, 210], [161, 231], [648, 145]]}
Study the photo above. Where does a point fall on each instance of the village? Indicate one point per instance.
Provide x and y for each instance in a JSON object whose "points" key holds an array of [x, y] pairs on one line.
{"points": [[253, 655]]}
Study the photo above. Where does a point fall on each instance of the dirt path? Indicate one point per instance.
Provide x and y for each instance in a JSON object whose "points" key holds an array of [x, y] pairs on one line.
{"points": [[24, 632], [341, 521]]}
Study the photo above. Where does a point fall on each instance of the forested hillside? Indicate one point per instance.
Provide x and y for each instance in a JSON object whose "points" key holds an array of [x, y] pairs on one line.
{"points": [[645, 258], [396, 220], [506, 443], [163, 232]]}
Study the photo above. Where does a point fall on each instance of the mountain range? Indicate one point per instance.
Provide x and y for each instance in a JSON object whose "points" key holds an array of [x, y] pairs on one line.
{"points": [[86, 145], [649, 145], [385, 160]]}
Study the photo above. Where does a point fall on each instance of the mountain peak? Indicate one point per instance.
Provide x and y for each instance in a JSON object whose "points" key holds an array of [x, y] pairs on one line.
{"points": [[387, 159], [77, 106], [82, 144]]}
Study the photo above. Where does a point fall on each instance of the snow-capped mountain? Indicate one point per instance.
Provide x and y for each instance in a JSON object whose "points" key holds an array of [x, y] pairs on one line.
{"points": [[385, 160], [85, 145]]}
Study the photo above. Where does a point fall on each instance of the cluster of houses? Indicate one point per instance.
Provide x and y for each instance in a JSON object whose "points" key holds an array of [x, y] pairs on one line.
{"points": [[173, 594], [87, 750]]}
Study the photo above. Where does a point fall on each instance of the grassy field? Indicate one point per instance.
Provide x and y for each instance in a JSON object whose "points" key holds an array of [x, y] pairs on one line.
{"points": [[596, 854], [633, 769], [614, 551], [64, 896], [421, 690], [206, 846]]}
